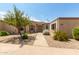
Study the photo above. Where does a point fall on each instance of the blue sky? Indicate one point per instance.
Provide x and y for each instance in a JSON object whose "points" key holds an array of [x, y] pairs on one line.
{"points": [[44, 11]]}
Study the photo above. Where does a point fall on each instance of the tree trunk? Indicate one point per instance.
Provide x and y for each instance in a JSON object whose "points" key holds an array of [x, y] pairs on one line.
{"points": [[19, 32]]}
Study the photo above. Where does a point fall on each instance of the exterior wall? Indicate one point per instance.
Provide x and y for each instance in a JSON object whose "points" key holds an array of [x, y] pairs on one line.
{"points": [[9, 28], [33, 26], [57, 25], [46, 26], [27, 28], [65, 24], [1, 26], [37, 26], [68, 24]]}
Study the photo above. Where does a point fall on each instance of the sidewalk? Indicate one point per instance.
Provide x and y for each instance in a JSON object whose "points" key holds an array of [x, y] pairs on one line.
{"points": [[40, 47], [13, 49], [40, 40]]}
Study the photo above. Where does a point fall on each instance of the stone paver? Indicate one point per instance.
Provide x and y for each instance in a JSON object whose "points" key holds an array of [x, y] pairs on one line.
{"points": [[40, 40]]}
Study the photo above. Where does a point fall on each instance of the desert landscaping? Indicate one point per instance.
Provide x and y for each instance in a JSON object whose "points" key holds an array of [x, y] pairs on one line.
{"points": [[42, 45], [72, 44], [14, 39], [21, 35]]}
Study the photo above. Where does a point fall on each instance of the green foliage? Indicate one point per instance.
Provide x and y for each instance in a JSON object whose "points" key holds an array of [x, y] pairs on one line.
{"points": [[75, 33], [16, 18], [4, 33], [60, 36], [24, 36]]}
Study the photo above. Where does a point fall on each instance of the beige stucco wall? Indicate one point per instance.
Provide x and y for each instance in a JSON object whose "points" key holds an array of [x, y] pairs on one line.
{"points": [[9, 28], [50, 27], [27, 28], [1, 26], [12, 29], [67, 25], [36, 26], [57, 25]]}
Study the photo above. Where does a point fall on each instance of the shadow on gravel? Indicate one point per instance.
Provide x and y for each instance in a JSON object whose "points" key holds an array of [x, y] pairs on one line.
{"points": [[15, 40]]}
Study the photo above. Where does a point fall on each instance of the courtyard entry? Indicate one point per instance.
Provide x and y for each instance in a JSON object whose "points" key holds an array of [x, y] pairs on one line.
{"points": [[32, 29], [39, 28]]}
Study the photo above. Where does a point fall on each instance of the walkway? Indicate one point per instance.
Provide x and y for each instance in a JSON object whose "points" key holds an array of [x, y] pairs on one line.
{"points": [[40, 40], [40, 47]]}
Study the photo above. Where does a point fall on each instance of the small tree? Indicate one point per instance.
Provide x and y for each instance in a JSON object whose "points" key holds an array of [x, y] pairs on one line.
{"points": [[17, 19]]}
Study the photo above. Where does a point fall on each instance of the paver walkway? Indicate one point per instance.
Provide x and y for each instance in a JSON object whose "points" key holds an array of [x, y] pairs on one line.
{"points": [[40, 40]]}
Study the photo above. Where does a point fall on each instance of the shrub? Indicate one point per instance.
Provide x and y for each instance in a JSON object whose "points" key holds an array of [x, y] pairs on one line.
{"points": [[46, 32], [75, 33], [60, 36], [25, 36], [4, 33]]}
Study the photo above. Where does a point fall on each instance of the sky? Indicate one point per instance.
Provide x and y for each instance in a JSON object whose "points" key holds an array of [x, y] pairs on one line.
{"points": [[46, 12]]}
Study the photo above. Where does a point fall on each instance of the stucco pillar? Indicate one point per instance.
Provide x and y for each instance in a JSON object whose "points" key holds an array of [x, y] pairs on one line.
{"points": [[43, 27], [50, 27], [35, 28], [27, 28]]}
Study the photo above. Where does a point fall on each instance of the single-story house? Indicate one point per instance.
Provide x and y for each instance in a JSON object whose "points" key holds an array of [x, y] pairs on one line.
{"points": [[65, 24], [37, 27], [34, 27]]}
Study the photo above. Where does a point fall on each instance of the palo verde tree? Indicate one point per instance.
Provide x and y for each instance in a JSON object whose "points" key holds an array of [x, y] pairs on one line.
{"points": [[17, 19]]}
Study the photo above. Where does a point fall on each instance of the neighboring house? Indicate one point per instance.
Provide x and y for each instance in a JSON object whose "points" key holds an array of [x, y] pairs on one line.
{"points": [[65, 24]]}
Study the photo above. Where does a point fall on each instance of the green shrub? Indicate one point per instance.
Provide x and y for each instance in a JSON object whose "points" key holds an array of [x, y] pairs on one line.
{"points": [[4, 33], [75, 33], [60, 36], [25, 36]]}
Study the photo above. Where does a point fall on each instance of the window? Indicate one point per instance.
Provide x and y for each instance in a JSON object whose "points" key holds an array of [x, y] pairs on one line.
{"points": [[47, 27], [54, 26]]}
